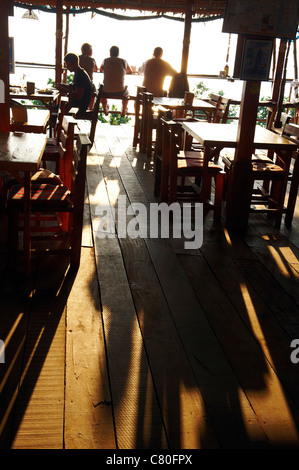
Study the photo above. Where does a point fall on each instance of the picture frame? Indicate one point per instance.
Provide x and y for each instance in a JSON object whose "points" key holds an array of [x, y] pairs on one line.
{"points": [[256, 59], [11, 55]]}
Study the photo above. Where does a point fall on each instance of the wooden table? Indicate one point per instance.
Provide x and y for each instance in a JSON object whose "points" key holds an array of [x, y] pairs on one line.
{"points": [[48, 100], [22, 152], [179, 105], [37, 122], [214, 137]]}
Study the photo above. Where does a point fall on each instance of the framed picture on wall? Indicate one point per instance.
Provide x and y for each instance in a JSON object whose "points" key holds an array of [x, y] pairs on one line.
{"points": [[11, 56], [256, 59]]}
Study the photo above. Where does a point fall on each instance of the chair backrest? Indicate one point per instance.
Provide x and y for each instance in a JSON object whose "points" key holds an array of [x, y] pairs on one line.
{"points": [[19, 112], [138, 113], [66, 148], [61, 114], [178, 85], [94, 117], [171, 137], [146, 121], [214, 99], [165, 114], [291, 132], [78, 170], [78, 195], [222, 110]]}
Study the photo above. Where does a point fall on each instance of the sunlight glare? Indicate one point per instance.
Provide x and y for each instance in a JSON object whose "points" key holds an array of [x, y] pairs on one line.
{"points": [[115, 162], [279, 262], [227, 237], [271, 401]]}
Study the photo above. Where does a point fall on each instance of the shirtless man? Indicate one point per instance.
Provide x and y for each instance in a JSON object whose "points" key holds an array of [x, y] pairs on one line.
{"points": [[155, 71], [115, 69]]}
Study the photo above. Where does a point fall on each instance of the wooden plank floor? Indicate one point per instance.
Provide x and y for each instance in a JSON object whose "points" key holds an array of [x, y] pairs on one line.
{"points": [[151, 345]]}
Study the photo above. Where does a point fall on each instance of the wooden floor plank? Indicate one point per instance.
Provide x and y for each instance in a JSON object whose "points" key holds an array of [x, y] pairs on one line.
{"points": [[38, 417], [88, 404], [137, 416]]}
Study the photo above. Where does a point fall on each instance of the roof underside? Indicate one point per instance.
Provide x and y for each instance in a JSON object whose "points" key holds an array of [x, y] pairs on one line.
{"points": [[202, 8]]}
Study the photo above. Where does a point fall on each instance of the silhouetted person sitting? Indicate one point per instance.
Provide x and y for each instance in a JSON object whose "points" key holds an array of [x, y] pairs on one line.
{"points": [[155, 71], [88, 63], [80, 91], [114, 69]]}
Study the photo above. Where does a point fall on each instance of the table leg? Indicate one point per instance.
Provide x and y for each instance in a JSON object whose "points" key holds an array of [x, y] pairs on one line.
{"points": [[293, 193], [26, 237], [206, 180], [286, 157]]}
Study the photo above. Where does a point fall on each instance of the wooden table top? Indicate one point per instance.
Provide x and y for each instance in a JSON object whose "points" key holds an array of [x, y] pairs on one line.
{"points": [[217, 134], [23, 95], [179, 103], [37, 121], [21, 151]]}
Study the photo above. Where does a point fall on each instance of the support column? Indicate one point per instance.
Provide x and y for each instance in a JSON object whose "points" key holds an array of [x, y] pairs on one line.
{"points": [[239, 195], [59, 37], [187, 34], [4, 66], [66, 40], [277, 78]]}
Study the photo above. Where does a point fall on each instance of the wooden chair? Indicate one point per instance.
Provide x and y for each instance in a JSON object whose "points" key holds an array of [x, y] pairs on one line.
{"points": [[47, 199], [138, 115], [264, 198], [178, 163], [65, 151], [65, 138], [54, 141], [220, 114], [54, 153], [151, 116], [222, 110], [222, 105], [147, 124]]}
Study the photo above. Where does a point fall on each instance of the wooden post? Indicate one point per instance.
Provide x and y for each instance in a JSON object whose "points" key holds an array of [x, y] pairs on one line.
{"points": [[277, 122], [239, 195], [59, 36], [187, 33], [278, 77], [295, 68], [66, 40], [4, 67]]}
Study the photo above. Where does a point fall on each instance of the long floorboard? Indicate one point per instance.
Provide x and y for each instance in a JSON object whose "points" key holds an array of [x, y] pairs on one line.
{"points": [[151, 345]]}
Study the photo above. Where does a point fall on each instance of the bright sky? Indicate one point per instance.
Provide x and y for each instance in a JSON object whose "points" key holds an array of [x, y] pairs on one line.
{"points": [[35, 42]]}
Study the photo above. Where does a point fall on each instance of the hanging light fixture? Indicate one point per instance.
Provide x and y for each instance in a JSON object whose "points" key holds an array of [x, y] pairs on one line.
{"points": [[30, 15]]}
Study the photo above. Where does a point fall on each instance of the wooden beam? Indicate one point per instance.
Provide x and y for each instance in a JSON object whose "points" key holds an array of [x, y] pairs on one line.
{"points": [[239, 196], [66, 40], [4, 67], [59, 36], [277, 78], [187, 34]]}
